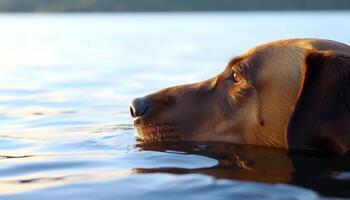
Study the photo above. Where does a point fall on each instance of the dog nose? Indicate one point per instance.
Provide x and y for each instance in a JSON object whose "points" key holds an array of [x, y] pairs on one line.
{"points": [[139, 107]]}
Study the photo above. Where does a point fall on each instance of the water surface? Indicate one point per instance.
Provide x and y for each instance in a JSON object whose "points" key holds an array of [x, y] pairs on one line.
{"points": [[66, 82]]}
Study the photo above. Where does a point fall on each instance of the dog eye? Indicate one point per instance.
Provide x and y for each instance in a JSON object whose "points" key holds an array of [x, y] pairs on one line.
{"points": [[236, 77]]}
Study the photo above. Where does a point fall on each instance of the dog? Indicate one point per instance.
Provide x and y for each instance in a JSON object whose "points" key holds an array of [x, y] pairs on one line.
{"points": [[292, 94]]}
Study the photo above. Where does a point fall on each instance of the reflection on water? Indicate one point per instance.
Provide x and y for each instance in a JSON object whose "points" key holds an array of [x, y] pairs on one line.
{"points": [[234, 162], [322, 173], [66, 82]]}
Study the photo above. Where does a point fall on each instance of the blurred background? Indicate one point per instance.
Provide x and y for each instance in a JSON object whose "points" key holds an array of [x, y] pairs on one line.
{"points": [[69, 68], [167, 5]]}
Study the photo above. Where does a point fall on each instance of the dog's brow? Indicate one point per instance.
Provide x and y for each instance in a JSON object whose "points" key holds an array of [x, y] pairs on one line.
{"points": [[242, 68], [237, 64], [234, 61]]}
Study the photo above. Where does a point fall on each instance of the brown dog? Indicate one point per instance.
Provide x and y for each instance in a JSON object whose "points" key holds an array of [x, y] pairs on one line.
{"points": [[291, 94]]}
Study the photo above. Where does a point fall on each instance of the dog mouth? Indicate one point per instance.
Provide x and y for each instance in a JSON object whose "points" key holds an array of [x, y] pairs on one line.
{"points": [[156, 131]]}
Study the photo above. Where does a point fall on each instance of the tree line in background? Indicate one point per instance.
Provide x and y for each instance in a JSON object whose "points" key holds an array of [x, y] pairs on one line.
{"points": [[167, 5]]}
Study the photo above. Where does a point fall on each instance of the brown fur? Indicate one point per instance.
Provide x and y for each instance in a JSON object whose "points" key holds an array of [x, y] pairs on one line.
{"points": [[322, 114], [293, 94]]}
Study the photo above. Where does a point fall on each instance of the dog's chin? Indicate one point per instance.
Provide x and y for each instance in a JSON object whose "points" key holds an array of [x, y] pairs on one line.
{"points": [[156, 131]]}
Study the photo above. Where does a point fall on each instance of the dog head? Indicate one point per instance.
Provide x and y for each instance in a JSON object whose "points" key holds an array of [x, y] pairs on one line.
{"points": [[272, 95]]}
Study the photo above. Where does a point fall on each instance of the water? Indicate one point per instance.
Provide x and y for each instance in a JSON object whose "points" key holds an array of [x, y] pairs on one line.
{"points": [[66, 82]]}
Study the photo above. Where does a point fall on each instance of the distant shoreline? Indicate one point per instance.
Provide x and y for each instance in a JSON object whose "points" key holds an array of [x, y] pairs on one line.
{"points": [[184, 15], [116, 6], [195, 11]]}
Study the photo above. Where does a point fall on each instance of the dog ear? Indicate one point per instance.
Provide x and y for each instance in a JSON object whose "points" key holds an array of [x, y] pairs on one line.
{"points": [[321, 116]]}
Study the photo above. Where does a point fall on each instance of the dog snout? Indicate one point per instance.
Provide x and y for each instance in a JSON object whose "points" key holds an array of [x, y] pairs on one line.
{"points": [[139, 107]]}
